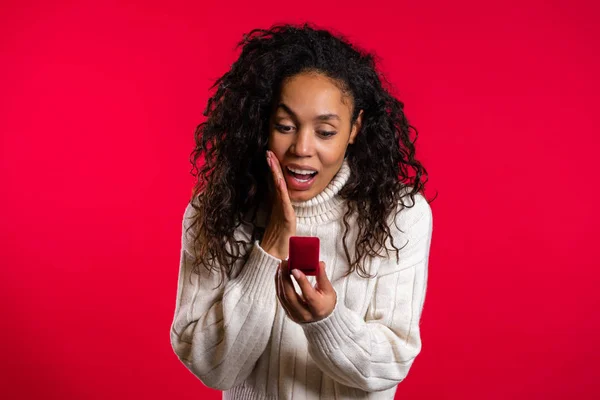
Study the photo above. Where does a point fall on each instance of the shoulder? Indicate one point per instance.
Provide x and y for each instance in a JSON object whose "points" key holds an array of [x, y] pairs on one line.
{"points": [[190, 213], [190, 226], [412, 215], [411, 227], [188, 223]]}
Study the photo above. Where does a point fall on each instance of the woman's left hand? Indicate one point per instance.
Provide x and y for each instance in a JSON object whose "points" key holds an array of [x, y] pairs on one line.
{"points": [[314, 304]]}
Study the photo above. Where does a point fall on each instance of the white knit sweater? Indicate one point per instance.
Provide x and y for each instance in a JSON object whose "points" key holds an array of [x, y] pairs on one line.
{"points": [[237, 338]]}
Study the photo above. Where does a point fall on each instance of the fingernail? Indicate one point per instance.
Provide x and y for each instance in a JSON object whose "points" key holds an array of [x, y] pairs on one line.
{"points": [[297, 274]]}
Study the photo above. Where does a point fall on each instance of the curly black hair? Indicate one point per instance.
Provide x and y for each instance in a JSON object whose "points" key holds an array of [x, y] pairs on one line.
{"points": [[232, 181]]}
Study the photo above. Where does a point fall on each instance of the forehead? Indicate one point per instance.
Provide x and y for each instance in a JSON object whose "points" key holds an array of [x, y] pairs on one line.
{"points": [[309, 94]]}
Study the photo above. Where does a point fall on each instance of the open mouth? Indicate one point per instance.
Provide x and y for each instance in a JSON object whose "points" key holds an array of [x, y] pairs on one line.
{"points": [[301, 175]]}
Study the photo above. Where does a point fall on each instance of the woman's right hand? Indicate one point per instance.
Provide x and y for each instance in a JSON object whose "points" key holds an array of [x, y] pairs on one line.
{"points": [[282, 220]]}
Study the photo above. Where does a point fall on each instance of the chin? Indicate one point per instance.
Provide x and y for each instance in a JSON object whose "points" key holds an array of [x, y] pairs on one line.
{"points": [[302, 196]]}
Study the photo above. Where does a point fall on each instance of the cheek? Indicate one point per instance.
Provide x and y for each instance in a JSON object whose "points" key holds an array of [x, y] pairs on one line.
{"points": [[278, 145], [330, 154]]}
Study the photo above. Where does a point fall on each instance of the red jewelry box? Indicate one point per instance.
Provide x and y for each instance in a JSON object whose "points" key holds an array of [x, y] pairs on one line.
{"points": [[304, 254]]}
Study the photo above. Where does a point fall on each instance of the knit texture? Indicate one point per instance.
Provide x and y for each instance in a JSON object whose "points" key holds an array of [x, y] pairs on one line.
{"points": [[237, 337]]}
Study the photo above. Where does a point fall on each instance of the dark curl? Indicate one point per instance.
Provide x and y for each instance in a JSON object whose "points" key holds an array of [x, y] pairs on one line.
{"points": [[232, 182]]}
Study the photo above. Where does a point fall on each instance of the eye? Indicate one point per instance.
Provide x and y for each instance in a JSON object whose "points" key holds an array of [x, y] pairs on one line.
{"points": [[326, 133], [284, 128]]}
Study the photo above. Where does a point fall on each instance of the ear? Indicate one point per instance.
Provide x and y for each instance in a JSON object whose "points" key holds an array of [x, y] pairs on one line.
{"points": [[356, 127]]}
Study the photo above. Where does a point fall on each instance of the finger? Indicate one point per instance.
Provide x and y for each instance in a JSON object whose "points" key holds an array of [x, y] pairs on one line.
{"points": [[280, 296], [275, 167], [298, 306], [292, 313], [274, 172], [307, 290], [286, 204], [288, 286], [323, 282], [284, 195], [279, 180]]}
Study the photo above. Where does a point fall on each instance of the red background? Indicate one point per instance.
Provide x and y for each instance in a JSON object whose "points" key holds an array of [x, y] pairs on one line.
{"points": [[97, 113]]}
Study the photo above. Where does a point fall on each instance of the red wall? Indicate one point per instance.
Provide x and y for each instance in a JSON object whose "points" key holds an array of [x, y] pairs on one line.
{"points": [[97, 113]]}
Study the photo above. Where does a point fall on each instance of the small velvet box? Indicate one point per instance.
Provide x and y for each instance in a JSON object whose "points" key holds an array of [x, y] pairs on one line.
{"points": [[304, 254]]}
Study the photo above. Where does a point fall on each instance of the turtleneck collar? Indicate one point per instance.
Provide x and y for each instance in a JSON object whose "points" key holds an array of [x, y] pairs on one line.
{"points": [[326, 205]]}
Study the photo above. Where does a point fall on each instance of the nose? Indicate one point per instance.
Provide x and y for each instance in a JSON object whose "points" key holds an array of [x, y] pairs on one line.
{"points": [[304, 144]]}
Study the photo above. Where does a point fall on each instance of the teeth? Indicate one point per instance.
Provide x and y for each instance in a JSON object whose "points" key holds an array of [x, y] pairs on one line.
{"points": [[305, 178], [301, 171]]}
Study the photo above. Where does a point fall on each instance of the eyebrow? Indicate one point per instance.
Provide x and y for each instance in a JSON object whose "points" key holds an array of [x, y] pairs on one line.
{"points": [[322, 117]]}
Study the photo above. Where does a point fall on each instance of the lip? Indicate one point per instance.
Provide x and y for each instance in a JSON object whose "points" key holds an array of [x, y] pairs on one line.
{"points": [[298, 166], [294, 184]]}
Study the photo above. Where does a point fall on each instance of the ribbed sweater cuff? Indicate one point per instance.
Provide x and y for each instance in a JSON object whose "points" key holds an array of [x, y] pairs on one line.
{"points": [[257, 277], [333, 331]]}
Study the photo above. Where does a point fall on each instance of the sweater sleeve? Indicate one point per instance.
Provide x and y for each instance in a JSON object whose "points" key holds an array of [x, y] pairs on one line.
{"points": [[375, 353], [219, 332]]}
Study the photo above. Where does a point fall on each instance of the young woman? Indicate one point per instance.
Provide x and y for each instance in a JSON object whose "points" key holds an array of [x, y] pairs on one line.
{"points": [[302, 139]]}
